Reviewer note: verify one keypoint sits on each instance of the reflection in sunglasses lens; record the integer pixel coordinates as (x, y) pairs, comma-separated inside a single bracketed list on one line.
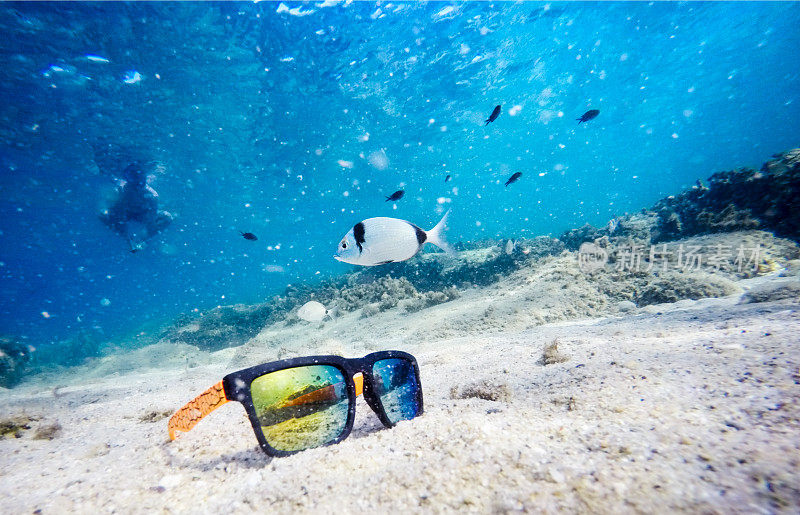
[(397, 388), (302, 407)]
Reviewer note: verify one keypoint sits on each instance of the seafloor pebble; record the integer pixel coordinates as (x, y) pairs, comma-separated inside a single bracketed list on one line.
[(626, 306)]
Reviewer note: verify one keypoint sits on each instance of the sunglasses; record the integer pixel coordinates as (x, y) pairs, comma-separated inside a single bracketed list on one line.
[(300, 403)]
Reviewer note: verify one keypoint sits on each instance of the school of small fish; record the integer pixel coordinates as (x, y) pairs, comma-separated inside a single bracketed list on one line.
[(381, 240)]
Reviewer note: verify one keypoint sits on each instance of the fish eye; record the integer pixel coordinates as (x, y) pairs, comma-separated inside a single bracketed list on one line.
[(344, 245)]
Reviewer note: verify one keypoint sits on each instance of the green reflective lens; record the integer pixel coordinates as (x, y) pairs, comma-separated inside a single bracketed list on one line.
[(302, 407), (397, 388)]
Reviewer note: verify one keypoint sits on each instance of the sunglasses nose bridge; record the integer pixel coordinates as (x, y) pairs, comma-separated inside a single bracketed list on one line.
[(357, 373)]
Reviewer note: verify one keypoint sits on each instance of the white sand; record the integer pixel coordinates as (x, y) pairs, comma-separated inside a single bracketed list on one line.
[(688, 406)]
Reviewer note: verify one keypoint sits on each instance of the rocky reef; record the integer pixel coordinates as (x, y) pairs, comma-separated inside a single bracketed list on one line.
[(736, 200), (431, 279), (650, 257), (223, 326), (740, 201), (14, 357)]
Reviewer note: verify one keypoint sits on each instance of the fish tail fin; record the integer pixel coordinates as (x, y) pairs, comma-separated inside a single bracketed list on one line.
[(436, 235)]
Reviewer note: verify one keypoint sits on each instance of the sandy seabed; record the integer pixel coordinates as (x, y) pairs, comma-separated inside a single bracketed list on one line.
[(688, 406)]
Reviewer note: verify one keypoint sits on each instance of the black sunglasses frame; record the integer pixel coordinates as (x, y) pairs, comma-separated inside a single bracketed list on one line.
[(237, 388)]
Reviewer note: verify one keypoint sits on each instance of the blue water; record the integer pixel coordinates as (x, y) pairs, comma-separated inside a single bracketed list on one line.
[(295, 125)]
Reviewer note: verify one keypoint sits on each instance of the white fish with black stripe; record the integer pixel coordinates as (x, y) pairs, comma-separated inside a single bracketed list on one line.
[(381, 240)]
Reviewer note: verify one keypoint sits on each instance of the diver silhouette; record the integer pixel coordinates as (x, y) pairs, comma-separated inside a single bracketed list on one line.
[(134, 213)]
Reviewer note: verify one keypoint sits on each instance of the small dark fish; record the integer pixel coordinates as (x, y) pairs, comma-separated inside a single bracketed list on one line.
[(513, 178), (493, 116), (135, 247), (447, 178), (249, 236), (397, 195), (588, 115)]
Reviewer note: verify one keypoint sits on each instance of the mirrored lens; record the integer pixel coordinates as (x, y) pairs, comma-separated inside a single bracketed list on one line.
[(301, 407), (397, 388)]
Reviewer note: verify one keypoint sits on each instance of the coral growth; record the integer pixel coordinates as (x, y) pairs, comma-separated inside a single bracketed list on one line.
[(541, 281), (474, 265), (15, 426), (230, 326), (14, 358), (735, 200), (221, 327), (675, 286), (414, 285), (551, 354), (771, 291)]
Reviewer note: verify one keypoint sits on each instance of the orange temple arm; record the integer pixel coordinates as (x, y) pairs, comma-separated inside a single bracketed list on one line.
[(188, 416)]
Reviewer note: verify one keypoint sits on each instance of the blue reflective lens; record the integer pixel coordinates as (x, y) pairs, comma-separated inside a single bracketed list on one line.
[(397, 388)]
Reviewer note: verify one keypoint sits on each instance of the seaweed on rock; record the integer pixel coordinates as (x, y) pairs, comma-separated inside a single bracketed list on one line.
[(221, 327), (474, 266), (414, 285), (551, 284), (675, 286), (736, 200), (14, 358)]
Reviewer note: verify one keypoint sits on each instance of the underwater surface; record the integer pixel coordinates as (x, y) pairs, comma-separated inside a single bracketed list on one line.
[(269, 129)]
